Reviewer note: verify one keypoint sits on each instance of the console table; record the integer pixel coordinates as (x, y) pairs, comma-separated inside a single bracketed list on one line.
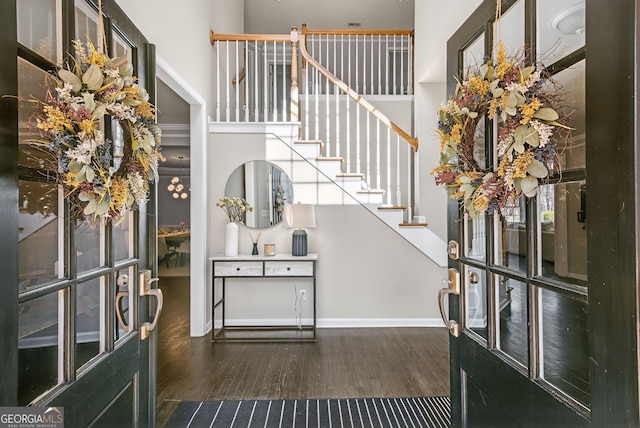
[(283, 266)]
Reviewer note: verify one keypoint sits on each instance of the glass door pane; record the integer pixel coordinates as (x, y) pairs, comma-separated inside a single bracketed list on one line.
[(560, 29), (39, 251), (513, 332), (39, 346), (89, 320), (475, 301), (39, 27), (511, 237), (565, 343), (509, 29)]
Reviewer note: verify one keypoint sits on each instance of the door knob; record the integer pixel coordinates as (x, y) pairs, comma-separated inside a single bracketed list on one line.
[(454, 288)]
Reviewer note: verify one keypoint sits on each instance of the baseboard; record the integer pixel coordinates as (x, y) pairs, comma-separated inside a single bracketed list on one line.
[(340, 322), (379, 322)]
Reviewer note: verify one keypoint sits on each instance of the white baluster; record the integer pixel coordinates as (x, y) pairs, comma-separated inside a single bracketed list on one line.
[(410, 65), (378, 164), (265, 84), (218, 95), (306, 99), (409, 180), (357, 62), (398, 188), (328, 91), (237, 85), (358, 142), (386, 72), (394, 65), (274, 101), (388, 192), (246, 81), (368, 144), (402, 64), (256, 74), (284, 82), (227, 84), (364, 64), (372, 67), (379, 65)]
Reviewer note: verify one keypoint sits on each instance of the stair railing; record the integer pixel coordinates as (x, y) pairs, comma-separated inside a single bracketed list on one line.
[(252, 77), (353, 129), (372, 62), (256, 80)]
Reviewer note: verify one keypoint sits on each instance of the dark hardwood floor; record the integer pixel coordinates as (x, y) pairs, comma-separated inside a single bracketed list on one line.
[(343, 363)]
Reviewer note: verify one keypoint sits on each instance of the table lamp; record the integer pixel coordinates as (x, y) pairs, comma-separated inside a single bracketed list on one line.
[(299, 216)]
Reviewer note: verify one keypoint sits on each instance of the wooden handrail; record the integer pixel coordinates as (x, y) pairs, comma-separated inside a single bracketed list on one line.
[(213, 37), (355, 96)]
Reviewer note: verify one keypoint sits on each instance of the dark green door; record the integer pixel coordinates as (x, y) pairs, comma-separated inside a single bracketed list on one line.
[(75, 320), (543, 329)]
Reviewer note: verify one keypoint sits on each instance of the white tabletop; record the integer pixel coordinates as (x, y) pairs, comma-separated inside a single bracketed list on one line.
[(261, 257)]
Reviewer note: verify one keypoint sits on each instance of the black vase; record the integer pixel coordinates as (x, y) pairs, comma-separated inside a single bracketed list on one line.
[(255, 249)]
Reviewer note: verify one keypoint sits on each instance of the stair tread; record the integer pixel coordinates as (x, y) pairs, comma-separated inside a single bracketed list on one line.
[(318, 142), (414, 224), (371, 191), (392, 207)]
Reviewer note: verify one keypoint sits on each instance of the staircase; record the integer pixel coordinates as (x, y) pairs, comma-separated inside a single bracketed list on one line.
[(357, 155)]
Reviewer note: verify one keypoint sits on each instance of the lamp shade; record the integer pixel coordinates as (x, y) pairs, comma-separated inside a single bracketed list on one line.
[(300, 216)]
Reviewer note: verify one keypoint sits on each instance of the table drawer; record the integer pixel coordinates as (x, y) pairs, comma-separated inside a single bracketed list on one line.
[(237, 269), (288, 268)]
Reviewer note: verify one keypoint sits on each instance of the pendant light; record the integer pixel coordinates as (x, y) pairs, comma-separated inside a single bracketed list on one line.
[(177, 186)]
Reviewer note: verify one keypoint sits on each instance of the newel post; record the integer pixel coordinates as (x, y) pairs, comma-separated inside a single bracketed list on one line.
[(295, 115)]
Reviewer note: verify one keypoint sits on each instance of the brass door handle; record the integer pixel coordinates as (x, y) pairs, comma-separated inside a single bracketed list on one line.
[(146, 290), (453, 288)]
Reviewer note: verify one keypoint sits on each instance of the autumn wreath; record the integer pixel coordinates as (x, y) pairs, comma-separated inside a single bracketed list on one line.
[(71, 125), (517, 96)]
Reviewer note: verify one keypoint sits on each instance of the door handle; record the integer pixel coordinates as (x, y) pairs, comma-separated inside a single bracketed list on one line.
[(453, 288), (146, 290)]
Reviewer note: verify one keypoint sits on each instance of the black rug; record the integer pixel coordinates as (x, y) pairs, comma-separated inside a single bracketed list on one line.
[(430, 412)]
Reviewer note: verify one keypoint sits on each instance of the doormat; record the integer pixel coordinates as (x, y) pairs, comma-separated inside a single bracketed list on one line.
[(428, 412)]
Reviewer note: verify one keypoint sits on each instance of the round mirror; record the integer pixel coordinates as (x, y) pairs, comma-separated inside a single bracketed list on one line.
[(266, 187)]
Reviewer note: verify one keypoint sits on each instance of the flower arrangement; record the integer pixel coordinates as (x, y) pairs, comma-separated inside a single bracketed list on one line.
[(513, 93), (235, 208), (89, 88)]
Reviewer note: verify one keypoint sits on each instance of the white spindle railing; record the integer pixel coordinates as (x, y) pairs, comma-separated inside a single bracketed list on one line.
[(382, 59)]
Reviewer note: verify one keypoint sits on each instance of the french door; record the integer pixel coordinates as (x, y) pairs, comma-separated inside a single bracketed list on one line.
[(77, 306), (543, 294)]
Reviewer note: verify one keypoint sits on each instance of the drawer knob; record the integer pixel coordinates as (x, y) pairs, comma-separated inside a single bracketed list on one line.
[(288, 268), (237, 268)]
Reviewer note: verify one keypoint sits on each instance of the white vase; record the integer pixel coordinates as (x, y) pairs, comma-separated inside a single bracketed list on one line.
[(231, 239)]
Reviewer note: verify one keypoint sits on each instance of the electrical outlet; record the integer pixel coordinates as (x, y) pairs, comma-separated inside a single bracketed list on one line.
[(303, 294)]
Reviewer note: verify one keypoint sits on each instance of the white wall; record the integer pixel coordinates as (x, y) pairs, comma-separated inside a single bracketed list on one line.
[(181, 36), (435, 24), (367, 274)]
